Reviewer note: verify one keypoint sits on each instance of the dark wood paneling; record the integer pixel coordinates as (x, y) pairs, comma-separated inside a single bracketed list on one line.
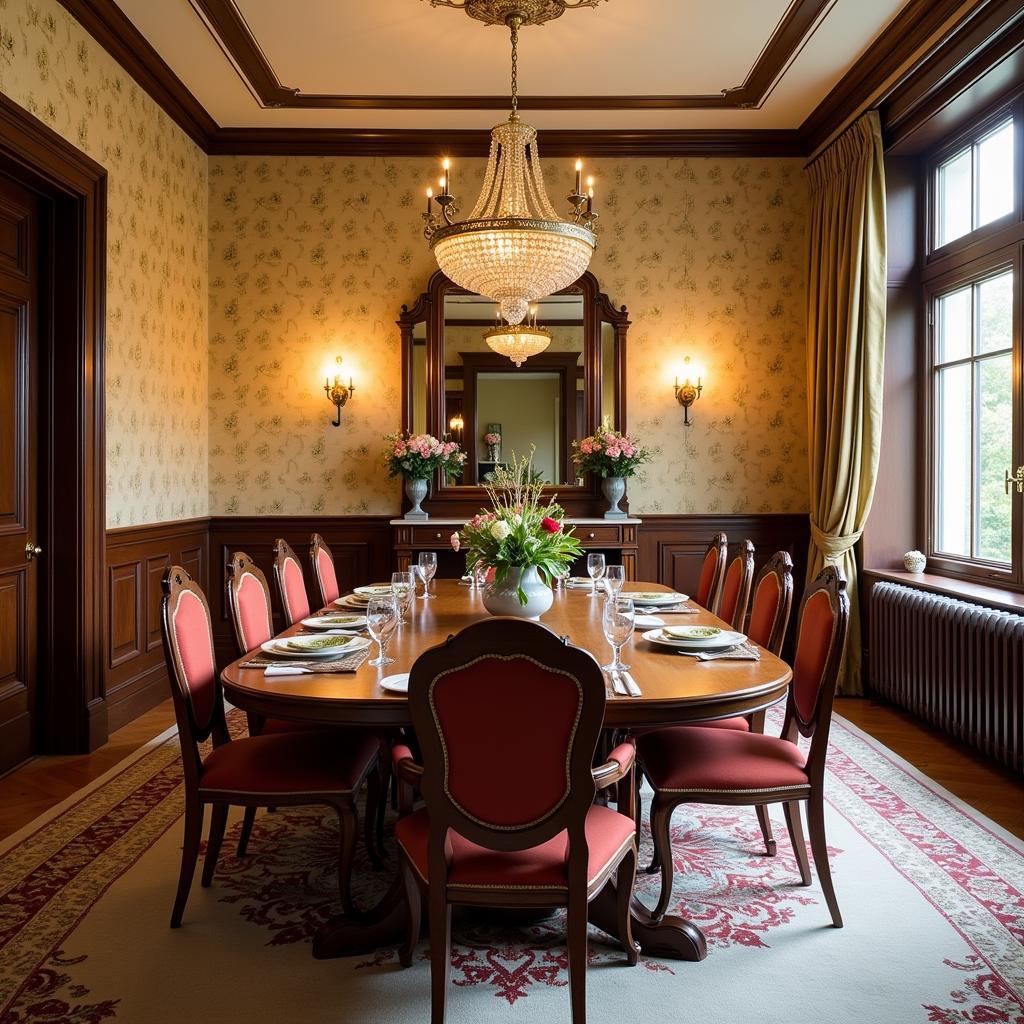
[(137, 556)]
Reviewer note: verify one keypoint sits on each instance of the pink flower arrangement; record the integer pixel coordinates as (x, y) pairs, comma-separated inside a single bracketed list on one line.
[(419, 456), (492, 438), (609, 453)]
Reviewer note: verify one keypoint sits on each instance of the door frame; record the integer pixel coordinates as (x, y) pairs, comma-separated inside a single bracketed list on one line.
[(71, 714)]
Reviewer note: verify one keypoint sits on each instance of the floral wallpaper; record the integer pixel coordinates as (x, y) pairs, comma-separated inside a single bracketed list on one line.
[(157, 291), (312, 257)]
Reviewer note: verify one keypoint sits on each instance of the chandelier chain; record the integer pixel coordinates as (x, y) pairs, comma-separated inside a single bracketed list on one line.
[(513, 24)]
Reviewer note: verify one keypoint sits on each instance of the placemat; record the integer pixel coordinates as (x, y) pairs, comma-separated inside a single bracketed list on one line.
[(347, 664)]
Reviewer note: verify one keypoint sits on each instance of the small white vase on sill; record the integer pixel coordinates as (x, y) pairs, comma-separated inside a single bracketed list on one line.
[(503, 598), (914, 561)]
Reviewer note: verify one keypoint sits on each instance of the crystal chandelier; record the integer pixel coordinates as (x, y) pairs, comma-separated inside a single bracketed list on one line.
[(513, 248), (519, 341)]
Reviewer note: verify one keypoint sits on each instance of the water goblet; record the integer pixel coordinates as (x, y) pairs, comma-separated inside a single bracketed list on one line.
[(381, 623), (595, 567), (617, 619), (614, 578), (427, 566), (403, 587)]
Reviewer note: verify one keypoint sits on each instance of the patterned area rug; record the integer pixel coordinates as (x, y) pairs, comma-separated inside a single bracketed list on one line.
[(932, 894)]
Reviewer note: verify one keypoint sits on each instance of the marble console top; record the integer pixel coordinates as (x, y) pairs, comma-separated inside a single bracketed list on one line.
[(569, 521)]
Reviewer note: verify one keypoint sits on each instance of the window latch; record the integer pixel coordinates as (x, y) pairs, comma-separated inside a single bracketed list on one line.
[(1016, 480)]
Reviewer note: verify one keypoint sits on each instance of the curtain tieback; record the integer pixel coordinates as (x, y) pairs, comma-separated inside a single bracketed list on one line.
[(833, 545)]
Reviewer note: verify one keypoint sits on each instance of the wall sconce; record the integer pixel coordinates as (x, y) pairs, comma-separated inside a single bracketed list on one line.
[(687, 393), (456, 424), (338, 393)]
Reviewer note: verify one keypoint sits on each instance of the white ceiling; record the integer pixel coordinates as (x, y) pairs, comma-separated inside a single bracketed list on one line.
[(406, 47)]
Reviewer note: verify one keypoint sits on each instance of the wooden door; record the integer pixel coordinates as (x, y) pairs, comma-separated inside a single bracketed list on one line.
[(19, 456)]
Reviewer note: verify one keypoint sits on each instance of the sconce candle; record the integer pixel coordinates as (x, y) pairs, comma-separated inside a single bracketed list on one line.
[(337, 392), (687, 393)]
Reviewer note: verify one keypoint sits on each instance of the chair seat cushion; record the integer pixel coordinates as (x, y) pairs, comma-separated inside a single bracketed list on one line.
[(290, 763), (693, 758), (608, 835), (737, 724)]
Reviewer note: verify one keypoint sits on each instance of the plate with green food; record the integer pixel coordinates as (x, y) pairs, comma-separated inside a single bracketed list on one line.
[(654, 598), (374, 590), (315, 646), (332, 621), (713, 638)]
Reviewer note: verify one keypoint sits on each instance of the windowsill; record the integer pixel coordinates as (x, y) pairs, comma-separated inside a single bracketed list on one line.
[(979, 593)]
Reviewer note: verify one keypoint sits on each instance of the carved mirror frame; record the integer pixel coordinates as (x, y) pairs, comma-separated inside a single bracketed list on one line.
[(456, 500)]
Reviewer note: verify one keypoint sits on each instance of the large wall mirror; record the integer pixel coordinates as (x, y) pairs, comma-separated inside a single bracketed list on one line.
[(454, 385)]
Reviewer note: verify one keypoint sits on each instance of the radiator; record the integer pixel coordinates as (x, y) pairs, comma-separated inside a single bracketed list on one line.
[(958, 666)]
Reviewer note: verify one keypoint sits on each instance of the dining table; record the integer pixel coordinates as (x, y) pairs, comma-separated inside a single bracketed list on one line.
[(676, 689)]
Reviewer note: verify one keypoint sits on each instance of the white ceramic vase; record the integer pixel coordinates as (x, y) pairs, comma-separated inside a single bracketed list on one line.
[(416, 491), (502, 598), (614, 489)]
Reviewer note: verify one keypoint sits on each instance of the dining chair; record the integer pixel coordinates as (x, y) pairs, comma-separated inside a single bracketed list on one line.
[(291, 584), (283, 769), (736, 584), (690, 764), (709, 586), (508, 740), (323, 570)]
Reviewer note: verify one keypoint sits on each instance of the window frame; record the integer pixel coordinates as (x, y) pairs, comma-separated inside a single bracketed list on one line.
[(973, 257)]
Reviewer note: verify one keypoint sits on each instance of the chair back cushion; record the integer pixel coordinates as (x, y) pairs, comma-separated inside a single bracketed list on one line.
[(731, 590), (253, 611), (296, 603), (764, 609), (813, 647), (328, 578), (507, 726), (192, 645), (708, 572)]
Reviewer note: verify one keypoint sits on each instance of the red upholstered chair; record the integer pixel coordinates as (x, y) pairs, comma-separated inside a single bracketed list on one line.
[(709, 587), (508, 741), (285, 769), (323, 570), (687, 764), (291, 584), (736, 586)]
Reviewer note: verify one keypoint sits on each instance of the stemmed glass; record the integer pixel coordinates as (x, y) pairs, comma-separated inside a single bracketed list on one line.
[(426, 566), (595, 567), (381, 623), (614, 578), (617, 619), (403, 587)]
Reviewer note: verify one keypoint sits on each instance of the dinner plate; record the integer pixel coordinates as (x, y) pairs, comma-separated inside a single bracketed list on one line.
[(277, 648), (727, 639), (374, 590), (345, 622), (352, 601), (694, 634), (398, 683), (654, 598), (647, 621)]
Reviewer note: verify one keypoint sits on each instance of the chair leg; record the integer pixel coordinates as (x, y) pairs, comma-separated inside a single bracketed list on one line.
[(374, 798), (661, 819), (246, 834), (766, 830), (414, 907), (816, 826), (189, 856), (348, 827), (625, 880), (577, 943), (218, 820), (796, 837), (388, 783), (440, 954)]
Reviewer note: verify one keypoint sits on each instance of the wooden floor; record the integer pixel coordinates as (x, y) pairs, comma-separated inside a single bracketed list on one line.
[(46, 781)]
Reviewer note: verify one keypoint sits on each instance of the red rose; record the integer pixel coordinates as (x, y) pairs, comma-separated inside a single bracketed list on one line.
[(551, 525)]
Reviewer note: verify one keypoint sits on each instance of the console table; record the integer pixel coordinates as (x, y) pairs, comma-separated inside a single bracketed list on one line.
[(616, 537)]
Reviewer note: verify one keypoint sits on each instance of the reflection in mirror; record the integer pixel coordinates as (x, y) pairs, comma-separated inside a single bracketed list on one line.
[(609, 413), (419, 378), (540, 403)]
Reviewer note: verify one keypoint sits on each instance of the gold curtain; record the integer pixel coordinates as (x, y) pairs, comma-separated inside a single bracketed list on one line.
[(845, 350)]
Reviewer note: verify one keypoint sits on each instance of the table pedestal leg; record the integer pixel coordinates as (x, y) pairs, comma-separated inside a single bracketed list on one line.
[(359, 934), (673, 938)]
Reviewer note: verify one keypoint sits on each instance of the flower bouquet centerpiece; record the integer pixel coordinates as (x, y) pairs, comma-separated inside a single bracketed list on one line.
[(521, 539), (417, 457), (613, 456), (493, 441)]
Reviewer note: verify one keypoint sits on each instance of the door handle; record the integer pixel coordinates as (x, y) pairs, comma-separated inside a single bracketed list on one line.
[(32, 550), (1016, 480)]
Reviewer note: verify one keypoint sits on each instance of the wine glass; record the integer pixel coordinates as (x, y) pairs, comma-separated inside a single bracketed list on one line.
[(427, 566), (595, 567), (614, 578), (381, 623), (617, 619), (403, 587)]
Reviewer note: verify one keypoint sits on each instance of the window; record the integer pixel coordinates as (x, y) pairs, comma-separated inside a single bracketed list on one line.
[(974, 395)]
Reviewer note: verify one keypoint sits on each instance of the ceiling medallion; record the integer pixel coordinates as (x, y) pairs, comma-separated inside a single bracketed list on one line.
[(530, 12), (520, 341), (513, 248)]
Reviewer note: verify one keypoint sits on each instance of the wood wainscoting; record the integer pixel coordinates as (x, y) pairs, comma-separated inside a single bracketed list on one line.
[(136, 678), (671, 550)]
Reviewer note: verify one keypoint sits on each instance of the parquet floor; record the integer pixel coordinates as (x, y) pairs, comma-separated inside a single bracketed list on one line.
[(45, 781)]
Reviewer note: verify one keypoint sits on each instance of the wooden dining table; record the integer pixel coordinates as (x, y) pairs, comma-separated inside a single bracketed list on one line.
[(676, 689)]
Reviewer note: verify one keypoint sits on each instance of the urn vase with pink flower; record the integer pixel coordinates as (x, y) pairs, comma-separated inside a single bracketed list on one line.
[(416, 457), (614, 457)]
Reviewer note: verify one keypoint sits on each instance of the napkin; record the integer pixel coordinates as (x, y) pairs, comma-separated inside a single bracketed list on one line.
[(648, 621)]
